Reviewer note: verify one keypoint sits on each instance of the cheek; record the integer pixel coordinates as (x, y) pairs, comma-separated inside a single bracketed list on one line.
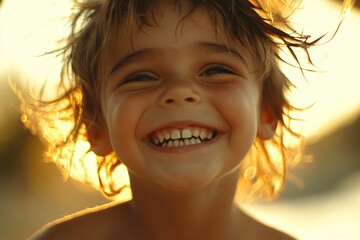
[(238, 104), (123, 114), (240, 110)]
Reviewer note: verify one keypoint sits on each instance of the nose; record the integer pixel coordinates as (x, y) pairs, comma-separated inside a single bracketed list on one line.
[(179, 93)]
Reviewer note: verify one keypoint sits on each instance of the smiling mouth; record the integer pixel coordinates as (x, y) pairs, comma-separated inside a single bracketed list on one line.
[(173, 137)]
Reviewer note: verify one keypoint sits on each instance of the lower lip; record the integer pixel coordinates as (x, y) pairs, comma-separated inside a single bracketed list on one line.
[(185, 148)]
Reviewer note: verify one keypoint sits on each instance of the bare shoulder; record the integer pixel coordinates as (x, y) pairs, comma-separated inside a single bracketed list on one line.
[(104, 222), (259, 230), (267, 232)]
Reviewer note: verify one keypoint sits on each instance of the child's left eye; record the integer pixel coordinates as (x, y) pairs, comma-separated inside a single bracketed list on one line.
[(140, 77), (214, 70)]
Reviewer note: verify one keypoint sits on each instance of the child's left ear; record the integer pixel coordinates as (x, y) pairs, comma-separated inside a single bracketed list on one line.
[(268, 123)]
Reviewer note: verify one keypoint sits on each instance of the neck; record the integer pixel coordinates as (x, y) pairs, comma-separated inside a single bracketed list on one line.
[(204, 213)]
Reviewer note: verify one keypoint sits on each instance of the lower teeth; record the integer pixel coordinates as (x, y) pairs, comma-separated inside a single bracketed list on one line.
[(180, 142)]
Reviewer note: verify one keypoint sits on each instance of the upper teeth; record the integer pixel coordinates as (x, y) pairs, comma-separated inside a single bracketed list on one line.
[(179, 137)]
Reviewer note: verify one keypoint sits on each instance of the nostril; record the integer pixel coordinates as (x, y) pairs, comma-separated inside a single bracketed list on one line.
[(190, 100), (179, 98), (169, 101)]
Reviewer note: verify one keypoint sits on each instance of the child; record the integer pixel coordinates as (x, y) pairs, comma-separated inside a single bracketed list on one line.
[(189, 96)]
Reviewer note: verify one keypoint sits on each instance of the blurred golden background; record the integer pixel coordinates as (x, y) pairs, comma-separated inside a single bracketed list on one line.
[(326, 207)]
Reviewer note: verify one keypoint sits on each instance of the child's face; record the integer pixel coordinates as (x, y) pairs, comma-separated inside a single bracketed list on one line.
[(173, 82)]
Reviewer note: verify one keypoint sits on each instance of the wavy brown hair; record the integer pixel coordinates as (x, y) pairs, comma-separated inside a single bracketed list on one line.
[(261, 26)]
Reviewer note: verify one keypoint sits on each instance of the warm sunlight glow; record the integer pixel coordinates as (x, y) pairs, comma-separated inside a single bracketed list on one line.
[(29, 29), (84, 169), (334, 89)]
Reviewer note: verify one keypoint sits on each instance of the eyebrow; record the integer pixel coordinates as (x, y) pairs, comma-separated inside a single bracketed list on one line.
[(216, 47), (129, 57), (221, 48)]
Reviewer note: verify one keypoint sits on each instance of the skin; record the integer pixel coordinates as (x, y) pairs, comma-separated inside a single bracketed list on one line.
[(174, 79)]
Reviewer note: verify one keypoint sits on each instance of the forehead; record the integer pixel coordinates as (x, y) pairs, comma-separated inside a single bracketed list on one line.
[(168, 24), (173, 28)]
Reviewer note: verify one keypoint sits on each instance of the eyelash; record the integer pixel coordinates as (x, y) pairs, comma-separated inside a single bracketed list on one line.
[(143, 76), (220, 70), (139, 77)]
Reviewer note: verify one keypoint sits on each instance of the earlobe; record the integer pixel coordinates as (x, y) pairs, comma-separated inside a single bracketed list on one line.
[(99, 139), (267, 125)]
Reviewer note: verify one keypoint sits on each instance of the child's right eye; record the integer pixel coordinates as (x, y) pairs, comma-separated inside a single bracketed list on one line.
[(139, 77)]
